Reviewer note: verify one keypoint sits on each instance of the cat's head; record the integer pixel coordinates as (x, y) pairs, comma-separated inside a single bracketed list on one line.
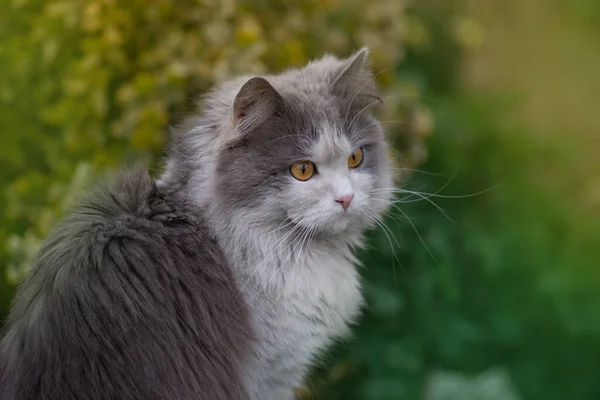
[(301, 148)]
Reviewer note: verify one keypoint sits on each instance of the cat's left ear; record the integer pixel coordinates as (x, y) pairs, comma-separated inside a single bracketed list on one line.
[(256, 101), (355, 82)]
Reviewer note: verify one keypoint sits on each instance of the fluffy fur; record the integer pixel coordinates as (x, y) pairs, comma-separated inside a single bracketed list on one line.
[(230, 277), (130, 298)]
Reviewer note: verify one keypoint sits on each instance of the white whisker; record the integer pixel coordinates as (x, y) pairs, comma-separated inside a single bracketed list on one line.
[(389, 236), (418, 234), (362, 87), (267, 258)]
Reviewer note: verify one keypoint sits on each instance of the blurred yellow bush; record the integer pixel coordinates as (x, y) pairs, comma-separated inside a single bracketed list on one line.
[(95, 83)]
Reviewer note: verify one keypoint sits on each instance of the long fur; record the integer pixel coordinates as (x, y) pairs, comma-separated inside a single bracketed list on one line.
[(129, 298)]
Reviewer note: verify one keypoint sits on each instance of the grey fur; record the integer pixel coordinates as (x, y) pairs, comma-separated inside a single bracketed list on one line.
[(230, 277), (130, 298)]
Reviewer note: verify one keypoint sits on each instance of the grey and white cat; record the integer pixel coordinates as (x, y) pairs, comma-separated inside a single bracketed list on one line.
[(226, 278)]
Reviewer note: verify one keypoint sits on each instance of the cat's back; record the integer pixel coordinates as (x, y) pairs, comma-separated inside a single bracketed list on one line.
[(129, 298)]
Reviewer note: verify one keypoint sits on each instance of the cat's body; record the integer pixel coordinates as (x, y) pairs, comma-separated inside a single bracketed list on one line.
[(109, 313), (276, 232)]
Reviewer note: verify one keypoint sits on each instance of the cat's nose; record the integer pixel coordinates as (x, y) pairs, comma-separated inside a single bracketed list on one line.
[(345, 200)]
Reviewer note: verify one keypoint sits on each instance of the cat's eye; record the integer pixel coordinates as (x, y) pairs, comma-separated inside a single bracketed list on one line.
[(356, 158), (303, 170)]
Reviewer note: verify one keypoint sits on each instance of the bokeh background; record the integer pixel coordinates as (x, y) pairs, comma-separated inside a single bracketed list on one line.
[(483, 285)]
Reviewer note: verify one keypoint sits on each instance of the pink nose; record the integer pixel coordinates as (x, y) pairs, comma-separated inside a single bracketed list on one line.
[(345, 200)]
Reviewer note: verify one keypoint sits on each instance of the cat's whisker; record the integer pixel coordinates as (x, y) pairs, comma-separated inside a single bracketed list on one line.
[(296, 137), (394, 191), (379, 223), (427, 199), (371, 80), (363, 86), (303, 232), (267, 258), (401, 190), (384, 226), (396, 217), (416, 170), (309, 243), (405, 216), (420, 196), (273, 248), (385, 229), (284, 238), (373, 103), (366, 128), (437, 194), (311, 232), (397, 224), (296, 263), (299, 245), (276, 243), (392, 148), (466, 195), (397, 190), (312, 229), (418, 234)]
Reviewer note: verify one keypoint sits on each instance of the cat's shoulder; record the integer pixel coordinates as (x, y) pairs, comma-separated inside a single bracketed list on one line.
[(128, 224), (130, 199)]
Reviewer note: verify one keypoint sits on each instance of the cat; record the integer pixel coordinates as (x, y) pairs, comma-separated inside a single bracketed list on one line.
[(228, 276)]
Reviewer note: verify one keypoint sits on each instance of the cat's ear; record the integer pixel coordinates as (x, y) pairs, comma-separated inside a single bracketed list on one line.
[(355, 82), (256, 101)]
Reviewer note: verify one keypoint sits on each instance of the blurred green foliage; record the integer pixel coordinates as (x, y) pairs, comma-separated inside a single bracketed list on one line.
[(587, 11), (500, 274), (86, 86), (513, 282)]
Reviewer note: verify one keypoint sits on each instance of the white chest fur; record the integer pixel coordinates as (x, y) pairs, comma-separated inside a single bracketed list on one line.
[(300, 309)]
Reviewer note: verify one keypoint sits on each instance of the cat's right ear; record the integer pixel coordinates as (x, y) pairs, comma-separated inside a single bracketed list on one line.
[(256, 101)]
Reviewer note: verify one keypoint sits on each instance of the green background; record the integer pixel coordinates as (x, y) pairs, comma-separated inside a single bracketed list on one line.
[(485, 287)]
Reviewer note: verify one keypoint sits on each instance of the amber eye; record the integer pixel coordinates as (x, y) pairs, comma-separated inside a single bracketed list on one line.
[(303, 170), (356, 158)]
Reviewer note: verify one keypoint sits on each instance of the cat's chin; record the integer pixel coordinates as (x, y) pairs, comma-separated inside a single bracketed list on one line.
[(351, 223), (344, 226), (337, 226)]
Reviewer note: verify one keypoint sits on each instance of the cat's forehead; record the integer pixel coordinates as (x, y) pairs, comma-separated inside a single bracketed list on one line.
[(330, 143), (317, 129), (320, 128), (311, 97)]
